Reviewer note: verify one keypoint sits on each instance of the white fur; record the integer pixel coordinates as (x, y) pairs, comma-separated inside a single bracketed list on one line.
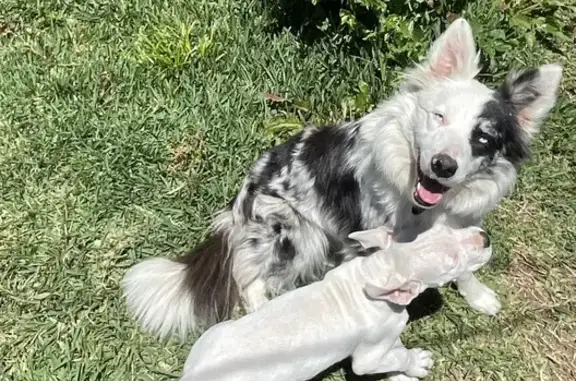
[(358, 310), (153, 290)]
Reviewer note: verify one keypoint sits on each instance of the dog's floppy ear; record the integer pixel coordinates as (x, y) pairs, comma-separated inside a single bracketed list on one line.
[(397, 290), (380, 237), (532, 93), (452, 55)]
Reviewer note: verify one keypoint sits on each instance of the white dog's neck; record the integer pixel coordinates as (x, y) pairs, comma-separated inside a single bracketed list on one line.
[(374, 267)]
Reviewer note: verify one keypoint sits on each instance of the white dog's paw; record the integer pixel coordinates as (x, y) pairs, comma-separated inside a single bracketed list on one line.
[(420, 363), (484, 300)]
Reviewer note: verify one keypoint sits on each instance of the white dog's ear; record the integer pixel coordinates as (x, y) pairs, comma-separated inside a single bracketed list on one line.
[(532, 93), (380, 237), (452, 55), (398, 291)]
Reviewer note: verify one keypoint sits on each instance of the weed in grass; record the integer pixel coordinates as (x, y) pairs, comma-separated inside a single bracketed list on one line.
[(175, 45)]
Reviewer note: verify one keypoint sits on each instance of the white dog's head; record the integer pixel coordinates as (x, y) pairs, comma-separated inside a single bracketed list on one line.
[(434, 258), (462, 127)]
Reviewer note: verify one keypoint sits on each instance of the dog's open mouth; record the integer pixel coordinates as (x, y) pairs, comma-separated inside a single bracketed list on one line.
[(428, 192)]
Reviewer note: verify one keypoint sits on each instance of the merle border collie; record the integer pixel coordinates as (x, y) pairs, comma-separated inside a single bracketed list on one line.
[(445, 149)]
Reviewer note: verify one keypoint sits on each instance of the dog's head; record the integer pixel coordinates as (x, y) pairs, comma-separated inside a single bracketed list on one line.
[(462, 127), (434, 258)]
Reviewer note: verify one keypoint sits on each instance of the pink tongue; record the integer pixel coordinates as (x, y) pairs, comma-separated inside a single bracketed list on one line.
[(428, 196)]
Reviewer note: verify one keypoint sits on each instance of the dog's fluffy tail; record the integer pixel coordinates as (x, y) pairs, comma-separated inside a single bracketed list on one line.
[(193, 292)]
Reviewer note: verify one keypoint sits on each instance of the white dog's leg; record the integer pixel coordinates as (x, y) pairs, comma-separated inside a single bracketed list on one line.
[(479, 297), (371, 360), (254, 295), (420, 365)]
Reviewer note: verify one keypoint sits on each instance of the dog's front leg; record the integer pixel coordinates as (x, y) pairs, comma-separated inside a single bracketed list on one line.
[(254, 295), (374, 359), (479, 297)]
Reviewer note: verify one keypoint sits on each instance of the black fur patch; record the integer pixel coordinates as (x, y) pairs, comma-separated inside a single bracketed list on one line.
[(324, 153), (505, 134), (488, 144), (285, 250), (277, 228), (278, 157), (416, 210), (519, 89), (209, 279), (502, 113), (248, 201)]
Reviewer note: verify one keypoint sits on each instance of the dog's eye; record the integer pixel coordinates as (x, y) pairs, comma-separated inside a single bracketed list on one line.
[(438, 117), (483, 139)]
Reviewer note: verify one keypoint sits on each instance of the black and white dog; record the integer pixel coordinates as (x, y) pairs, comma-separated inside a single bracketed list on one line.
[(444, 149)]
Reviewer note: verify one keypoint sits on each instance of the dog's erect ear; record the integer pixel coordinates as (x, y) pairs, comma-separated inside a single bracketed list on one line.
[(452, 55), (397, 290), (380, 237), (532, 93)]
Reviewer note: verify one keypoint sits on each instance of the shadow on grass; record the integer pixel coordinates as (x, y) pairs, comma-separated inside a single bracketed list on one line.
[(427, 303), (315, 22), (492, 330)]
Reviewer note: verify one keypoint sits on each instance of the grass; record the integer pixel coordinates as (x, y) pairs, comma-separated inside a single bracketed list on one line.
[(125, 124)]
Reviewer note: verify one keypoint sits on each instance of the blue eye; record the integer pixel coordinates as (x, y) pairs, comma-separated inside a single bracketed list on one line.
[(484, 138)]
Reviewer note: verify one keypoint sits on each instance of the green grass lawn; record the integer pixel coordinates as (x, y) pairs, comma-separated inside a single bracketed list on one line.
[(125, 124)]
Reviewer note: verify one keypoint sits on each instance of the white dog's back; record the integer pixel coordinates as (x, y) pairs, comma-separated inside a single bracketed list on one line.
[(306, 329)]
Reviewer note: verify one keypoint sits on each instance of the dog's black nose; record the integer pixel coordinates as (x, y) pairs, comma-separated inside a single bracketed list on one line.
[(444, 166), (485, 239)]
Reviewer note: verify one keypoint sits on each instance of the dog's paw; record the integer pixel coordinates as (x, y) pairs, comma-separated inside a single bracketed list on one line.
[(484, 300), (420, 363)]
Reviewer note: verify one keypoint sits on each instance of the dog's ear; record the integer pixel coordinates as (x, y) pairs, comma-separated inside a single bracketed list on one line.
[(380, 237), (532, 93), (397, 290), (452, 55)]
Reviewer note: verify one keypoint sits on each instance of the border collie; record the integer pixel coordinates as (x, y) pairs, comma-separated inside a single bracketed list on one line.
[(445, 149)]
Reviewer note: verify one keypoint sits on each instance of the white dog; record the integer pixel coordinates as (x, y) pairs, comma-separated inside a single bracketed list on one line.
[(358, 310)]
